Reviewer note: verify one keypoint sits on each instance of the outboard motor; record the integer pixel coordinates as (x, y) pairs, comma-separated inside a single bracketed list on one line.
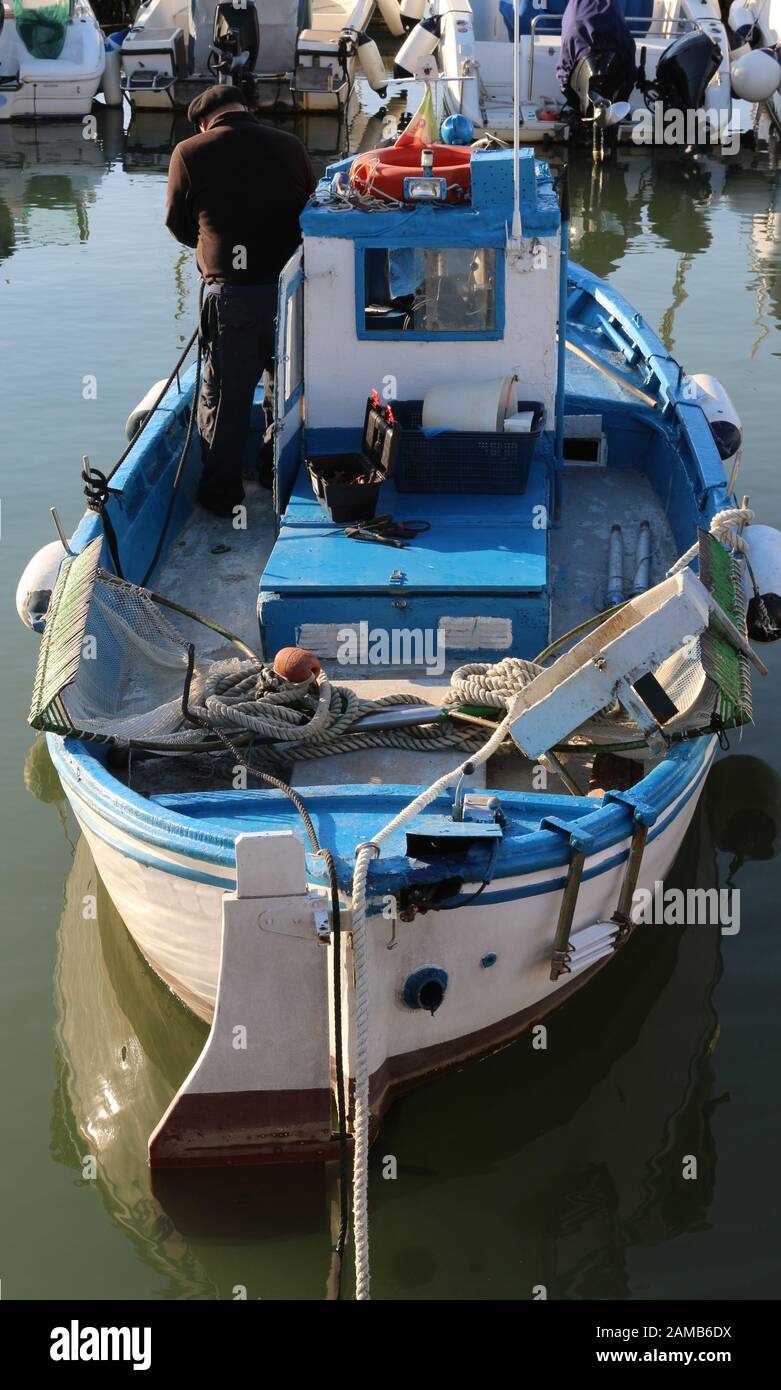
[(597, 64), (600, 82), (684, 71), (235, 45)]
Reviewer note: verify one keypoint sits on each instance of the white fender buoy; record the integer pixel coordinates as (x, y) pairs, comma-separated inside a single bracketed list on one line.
[(34, 590), (764, 556), (720, 413), (755, 76), (372, 64), (740, 21), (411, 11), (389, 10), (111, 85), (419, 43), (137, 416)]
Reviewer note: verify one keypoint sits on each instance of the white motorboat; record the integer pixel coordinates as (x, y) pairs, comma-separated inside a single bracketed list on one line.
[(51, 60), (278, 51), (694, 83)]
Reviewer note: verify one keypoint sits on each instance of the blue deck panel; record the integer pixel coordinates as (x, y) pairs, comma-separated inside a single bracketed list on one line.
[(484, 556)]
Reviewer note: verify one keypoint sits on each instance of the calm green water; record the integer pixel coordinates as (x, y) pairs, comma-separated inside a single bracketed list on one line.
[(561, 1168)]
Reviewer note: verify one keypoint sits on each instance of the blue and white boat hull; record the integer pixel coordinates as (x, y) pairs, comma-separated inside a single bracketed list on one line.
[(168, 878)]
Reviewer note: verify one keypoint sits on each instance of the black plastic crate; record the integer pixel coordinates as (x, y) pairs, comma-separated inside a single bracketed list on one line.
[(463, 461), (334, 476), (345, 499)]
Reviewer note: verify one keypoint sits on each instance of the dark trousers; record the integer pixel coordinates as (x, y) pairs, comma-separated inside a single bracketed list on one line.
[(237, 339)]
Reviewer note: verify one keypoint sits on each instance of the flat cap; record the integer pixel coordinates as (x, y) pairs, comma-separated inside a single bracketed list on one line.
[(208, 102)]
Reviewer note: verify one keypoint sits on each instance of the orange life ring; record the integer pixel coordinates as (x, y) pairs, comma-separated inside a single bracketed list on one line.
[(382, 172)]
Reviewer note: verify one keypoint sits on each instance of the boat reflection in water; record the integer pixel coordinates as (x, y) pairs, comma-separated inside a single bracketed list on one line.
[(123, 1045), (554, 1169), (49, 178)]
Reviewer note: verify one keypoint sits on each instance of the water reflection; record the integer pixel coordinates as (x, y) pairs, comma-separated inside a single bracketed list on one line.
[(617, 203), (532, 1168), (639, 200), (744, 808), (551, 1168), (49, 179), (123, 1044)]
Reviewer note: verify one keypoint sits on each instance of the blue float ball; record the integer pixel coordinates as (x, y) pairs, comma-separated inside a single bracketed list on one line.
[(457, 130)]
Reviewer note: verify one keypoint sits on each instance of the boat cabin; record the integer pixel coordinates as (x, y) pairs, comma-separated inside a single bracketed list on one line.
[(405, 302)]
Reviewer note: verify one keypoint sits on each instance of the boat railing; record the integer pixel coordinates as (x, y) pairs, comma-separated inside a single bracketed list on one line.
[(663, 23), (602, 310)]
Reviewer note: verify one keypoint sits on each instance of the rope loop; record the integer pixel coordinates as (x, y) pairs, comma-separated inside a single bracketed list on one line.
[(725, 527), (96, 488)]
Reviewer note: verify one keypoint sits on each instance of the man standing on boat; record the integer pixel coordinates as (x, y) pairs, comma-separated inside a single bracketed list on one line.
[(235, 192)]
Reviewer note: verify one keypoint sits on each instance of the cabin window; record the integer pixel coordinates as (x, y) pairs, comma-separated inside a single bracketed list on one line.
[(429, 292), (293, 363)]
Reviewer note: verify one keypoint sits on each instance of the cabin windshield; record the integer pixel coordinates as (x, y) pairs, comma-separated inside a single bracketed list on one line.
[(430, 290)]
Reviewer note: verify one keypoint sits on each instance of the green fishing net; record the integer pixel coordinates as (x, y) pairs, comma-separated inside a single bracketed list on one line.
[(42, 28)]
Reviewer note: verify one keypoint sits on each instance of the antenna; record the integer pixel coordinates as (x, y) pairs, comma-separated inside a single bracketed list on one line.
[(558, 445), (516, 231)]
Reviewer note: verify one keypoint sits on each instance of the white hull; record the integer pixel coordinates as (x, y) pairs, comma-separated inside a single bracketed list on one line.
[(292, 60), (174, 914)]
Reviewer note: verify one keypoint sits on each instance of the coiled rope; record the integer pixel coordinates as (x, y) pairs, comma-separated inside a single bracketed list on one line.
[(481, 684), (312, 720), (728, 527)]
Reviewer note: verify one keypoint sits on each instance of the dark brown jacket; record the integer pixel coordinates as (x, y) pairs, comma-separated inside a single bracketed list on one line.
[(239, 187)]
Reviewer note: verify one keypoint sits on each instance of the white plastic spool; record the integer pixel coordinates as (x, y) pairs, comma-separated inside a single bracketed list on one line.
[(412, 10), (470, 405), (719, 411), (764, 553)]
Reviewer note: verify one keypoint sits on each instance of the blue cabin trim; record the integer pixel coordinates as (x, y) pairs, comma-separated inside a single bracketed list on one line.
[(283, 299), (483, 221)]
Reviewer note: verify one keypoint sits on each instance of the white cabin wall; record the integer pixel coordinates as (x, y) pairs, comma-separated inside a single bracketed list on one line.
[(340, 370)]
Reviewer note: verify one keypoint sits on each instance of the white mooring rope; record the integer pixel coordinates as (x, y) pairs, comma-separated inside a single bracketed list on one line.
[(725, 526), (363, 857)]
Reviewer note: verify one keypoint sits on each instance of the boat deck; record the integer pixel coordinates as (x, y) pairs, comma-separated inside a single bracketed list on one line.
[(213, 568), (478, 575)]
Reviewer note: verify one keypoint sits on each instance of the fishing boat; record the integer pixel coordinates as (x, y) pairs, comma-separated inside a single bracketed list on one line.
[(374, 770), (51, 60), (697, 81), (280, 52)]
